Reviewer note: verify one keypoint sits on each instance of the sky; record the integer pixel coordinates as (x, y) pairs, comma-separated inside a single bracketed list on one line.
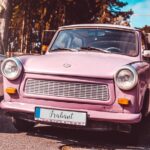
[(141, 9)]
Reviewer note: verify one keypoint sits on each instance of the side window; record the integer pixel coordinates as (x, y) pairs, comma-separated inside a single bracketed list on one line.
[(148, 40), (144, 46)]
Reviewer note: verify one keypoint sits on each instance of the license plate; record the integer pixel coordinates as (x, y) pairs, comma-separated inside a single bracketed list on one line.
[(61, 116)]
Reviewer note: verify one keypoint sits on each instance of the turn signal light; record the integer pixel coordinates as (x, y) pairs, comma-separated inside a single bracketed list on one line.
[(123, 101), (44, 48), (11, 90)]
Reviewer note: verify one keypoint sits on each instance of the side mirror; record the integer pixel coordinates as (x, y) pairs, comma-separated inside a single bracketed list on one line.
[(146, 53)]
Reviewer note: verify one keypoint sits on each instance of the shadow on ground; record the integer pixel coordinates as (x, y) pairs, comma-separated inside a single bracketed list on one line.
[(94, 140), (91, 140), (6, 125)]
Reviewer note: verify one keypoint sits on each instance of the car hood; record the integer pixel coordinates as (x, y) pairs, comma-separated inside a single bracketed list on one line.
[(87, 64)]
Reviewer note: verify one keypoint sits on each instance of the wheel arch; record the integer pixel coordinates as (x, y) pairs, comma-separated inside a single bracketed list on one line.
[(145, 110)]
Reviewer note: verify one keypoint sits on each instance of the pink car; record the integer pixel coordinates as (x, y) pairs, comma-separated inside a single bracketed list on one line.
[(92, 76)]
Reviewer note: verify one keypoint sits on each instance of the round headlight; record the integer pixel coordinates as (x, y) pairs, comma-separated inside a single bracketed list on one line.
[(11, 68), (126, 78)]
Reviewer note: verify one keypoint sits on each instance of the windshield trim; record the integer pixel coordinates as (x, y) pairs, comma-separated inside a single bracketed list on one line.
[(102, 27)]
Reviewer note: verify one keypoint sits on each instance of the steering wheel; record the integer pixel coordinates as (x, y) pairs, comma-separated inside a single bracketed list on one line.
[(115, 49)]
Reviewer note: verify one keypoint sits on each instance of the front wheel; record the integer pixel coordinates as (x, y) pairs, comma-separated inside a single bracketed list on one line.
[(22, 125), (136, 133)]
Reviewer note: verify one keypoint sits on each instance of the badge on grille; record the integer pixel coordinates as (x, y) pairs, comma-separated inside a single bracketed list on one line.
[(67, 65)]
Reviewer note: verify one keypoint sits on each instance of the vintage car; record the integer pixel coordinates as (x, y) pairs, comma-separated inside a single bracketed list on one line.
[(92, 76)]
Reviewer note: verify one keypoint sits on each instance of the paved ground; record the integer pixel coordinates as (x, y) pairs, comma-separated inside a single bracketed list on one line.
[(48, 138)]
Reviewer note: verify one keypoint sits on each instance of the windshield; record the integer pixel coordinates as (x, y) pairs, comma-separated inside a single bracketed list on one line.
[(102, 40)]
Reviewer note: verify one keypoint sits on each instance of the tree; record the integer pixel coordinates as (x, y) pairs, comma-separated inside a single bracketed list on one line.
[(30, 17), (146, 29), (98, 11), (110, 11), (4, 21)]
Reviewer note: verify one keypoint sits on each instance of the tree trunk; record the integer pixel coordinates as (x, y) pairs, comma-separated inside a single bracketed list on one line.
[(4, 23)]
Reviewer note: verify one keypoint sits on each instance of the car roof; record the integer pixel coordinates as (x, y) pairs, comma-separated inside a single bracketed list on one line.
[(97, 26)]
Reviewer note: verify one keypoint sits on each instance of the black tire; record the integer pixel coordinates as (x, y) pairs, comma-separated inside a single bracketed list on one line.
[(133, 136), (146, 102), (22, 125), (137, 129)]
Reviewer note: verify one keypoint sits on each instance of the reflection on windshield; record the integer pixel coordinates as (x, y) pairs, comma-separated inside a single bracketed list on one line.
[(104, 40)]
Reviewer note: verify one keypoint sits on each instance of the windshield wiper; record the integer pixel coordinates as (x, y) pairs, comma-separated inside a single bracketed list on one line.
[(94, 49), (64, 49)]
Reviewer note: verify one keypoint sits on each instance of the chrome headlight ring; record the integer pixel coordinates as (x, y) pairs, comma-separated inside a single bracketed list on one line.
[(11, 68), (126, 78)]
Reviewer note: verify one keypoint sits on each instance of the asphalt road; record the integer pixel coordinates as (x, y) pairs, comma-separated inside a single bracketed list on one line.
[(44, 137)]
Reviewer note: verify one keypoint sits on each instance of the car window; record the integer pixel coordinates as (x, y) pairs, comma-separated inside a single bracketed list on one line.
[(112, 40)]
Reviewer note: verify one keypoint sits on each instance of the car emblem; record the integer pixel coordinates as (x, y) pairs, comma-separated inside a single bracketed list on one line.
[(67, 65)]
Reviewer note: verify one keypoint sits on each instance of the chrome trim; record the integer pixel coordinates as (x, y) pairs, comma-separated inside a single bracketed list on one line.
[(97, 26), (146, 53), (67, 89)]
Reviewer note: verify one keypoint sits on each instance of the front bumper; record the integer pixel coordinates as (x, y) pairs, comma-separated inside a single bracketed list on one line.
[(92, 115)]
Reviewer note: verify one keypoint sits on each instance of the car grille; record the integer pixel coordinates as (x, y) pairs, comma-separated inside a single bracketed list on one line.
[(67, 89)]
